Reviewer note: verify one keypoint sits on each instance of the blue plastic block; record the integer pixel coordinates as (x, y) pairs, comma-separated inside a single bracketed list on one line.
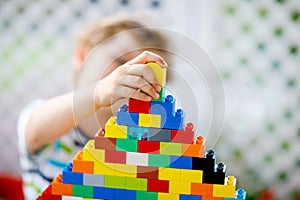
[(173, 122), (138, 133), (124, 194), (164, 108), (70, 177), (240, 194), (189, 197), (104, 193), (126, 118), (162, 135), (181, 162)]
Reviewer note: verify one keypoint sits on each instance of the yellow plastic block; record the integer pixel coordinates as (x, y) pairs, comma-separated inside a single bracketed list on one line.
[(104, 168), (149, 120), (167, 196), (177, 187), (171, 174), (227, 190), (194, 176), (92, 154), (170, 148), (113, 130), (159, 73), (125, 170), (89, 199)]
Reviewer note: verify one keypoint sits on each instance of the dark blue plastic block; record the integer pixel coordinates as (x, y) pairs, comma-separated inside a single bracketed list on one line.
[(181, 162), (104, 193), (70, 177)]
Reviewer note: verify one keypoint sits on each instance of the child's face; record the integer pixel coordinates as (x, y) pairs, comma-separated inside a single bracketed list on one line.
[(123, 45)]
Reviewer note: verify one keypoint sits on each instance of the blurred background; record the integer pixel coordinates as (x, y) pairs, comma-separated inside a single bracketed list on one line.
[(255, 45)]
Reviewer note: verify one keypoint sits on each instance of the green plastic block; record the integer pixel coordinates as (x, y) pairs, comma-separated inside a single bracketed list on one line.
[(161, 95), (83, 191), (136, 183), (158, 160), (114, 182), (126, 145), (174, 149), (141, 195)]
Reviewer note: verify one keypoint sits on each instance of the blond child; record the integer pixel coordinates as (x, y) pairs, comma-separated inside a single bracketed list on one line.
[(47, 130)]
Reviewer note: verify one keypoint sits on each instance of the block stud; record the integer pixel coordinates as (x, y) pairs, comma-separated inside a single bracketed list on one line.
[(124, 108), (220, 167), (179, 113), (189, 126), (210, 154), (199, 140), (169, 98), (230, 180), (240, 194)]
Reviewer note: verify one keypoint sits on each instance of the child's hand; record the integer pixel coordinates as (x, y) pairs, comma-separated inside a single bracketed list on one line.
[(128, 80)]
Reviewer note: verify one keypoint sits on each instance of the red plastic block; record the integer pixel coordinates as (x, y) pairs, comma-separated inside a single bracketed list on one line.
[(158, 185), (145, 146), (47, 191), (102, 142), (138, 106), (202, 189), (112, 156), (184, 136), (47, 195), (147, 172)]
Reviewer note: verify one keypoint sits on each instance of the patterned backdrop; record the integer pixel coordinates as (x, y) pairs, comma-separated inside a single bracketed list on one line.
[(255, 45)]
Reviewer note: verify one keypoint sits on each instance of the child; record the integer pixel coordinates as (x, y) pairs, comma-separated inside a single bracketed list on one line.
[(47, 129)]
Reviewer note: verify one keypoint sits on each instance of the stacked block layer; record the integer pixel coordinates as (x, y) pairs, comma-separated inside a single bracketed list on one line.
[(145, 152)]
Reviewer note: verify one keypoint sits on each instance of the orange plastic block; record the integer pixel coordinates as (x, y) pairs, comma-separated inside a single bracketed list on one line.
[(59, 188), (82, 166), (202, 189), (193, 150)]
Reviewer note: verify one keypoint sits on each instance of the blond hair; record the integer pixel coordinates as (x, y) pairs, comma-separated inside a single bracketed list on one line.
[(101, 30)]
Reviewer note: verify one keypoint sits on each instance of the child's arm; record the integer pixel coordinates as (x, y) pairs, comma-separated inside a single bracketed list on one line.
[(54, 118)]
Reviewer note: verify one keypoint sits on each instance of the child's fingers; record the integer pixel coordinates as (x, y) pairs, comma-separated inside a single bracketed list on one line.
[(128, 92), (139, 83), (145, 72), (146, 57)]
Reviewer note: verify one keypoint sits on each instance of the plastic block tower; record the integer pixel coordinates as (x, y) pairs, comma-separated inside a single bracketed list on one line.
[(145, 153)]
